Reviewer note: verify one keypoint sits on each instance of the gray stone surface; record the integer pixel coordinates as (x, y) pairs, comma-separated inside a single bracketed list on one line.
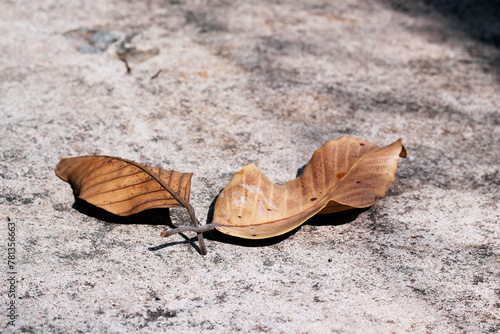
[(268, 83)]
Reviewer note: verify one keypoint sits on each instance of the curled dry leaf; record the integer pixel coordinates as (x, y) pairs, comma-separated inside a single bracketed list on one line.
[(124, 187), (344, 174), (120, 187)]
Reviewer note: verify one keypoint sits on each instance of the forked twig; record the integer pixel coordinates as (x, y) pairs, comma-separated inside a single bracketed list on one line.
[(197, 229)]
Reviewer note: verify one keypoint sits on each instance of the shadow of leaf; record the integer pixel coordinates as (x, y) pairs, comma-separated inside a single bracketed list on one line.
[(150, 217), (147, 217), (162, 217)]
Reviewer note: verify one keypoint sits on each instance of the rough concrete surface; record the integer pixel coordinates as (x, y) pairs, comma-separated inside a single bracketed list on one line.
[(213, 86)]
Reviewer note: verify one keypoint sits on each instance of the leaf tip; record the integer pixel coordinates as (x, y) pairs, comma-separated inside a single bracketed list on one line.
[(403, 153), (60, 169)]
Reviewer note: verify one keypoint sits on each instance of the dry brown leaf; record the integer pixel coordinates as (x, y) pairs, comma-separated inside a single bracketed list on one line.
[(344, 174), (120, 187), (125, 187)]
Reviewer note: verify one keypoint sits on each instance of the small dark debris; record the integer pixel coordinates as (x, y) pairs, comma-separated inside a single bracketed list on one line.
[(156, 75), (27, 329), (477, 279), (222, 298), (160, 312), (417, 290), (484, 251), (86, 283), (268, 263)]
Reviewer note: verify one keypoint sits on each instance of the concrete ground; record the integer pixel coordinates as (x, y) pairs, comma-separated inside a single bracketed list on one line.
[(213, 86)]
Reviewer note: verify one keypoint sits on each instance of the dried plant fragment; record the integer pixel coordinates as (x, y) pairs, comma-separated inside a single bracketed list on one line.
[(344, 174), (124, 187), (119, 187)]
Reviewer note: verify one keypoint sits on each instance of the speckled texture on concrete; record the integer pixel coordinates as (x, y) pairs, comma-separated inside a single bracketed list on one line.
[(268, 83)]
